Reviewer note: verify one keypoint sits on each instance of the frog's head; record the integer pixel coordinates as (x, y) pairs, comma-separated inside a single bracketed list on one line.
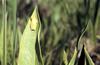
[(34, 20)]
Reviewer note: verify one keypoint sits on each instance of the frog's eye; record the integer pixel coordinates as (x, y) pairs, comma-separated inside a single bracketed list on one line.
[(33, 24)]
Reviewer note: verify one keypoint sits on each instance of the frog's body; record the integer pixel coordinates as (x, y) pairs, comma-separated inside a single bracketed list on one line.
[(27, 52)]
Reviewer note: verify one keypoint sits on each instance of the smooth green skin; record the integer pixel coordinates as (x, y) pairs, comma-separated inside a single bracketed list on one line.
[(27, 51)]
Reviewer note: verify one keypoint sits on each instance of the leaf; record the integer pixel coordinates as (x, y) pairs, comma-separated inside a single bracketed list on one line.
[(27, 52), (65, 54), (72, 61), (88, 57), (1, 44)]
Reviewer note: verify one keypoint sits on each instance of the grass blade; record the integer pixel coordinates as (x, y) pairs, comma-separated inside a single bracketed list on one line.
[(72, 61), (1, 45), (88, 57), (4, 32)]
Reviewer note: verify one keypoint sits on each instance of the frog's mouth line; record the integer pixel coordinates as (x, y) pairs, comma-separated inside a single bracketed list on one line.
[(33, 25)]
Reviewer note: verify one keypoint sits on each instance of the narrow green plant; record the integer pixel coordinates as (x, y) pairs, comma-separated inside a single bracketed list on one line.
[(4, 20), (1, 45), (12, 8), (73, 59), (88, 57), (79, 56)]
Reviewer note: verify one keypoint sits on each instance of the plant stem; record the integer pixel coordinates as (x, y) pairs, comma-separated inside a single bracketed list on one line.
[(4, 32), (14, 29), (93, 35)]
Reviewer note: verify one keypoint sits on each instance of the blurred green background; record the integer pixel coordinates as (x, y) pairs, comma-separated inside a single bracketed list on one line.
[(62, 22)]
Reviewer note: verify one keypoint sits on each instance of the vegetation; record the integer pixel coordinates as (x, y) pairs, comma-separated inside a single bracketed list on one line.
[(49, 32)]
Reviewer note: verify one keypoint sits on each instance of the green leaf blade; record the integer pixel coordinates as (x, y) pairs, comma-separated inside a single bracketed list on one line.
[(72, 61), (88, 57)]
